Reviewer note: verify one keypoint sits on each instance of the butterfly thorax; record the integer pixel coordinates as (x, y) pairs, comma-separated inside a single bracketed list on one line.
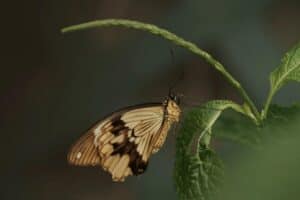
[(172, 111)]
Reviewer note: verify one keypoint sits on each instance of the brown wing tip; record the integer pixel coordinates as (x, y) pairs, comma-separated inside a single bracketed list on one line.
[(84, 152), (72, 158)]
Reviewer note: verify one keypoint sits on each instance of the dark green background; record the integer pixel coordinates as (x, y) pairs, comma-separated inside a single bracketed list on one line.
[(53, 87)]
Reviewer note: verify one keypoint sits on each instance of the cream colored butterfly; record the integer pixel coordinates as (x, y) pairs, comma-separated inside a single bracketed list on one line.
[(123, 142)]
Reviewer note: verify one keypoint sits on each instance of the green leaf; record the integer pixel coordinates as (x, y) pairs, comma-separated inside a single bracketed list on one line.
[(237, 128), (186, 176), (197, 169), (198, 176), (289, 70), (211, 173)]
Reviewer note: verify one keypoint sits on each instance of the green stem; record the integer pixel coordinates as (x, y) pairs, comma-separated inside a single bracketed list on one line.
[(176, 40), (267, 105)]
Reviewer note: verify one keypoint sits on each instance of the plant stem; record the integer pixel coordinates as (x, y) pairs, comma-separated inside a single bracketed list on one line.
[(267, 105), (176, 40)]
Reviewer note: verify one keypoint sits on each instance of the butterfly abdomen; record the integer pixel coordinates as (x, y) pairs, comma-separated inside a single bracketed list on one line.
[(162, 136)]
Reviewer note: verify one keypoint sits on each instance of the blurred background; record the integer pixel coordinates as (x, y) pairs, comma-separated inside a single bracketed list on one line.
[(53, 86)]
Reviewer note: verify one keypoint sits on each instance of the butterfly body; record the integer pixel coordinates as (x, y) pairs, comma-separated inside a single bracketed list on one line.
[(123, 142)]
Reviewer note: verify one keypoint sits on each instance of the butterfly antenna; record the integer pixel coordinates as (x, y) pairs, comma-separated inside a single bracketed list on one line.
[(180, 77)]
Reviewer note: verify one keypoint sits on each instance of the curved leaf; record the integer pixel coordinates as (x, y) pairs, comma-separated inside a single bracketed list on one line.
[(198, 175), (198, 170)]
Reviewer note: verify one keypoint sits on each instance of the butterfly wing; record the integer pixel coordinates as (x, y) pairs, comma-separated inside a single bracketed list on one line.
[(123, 142), (84, 152)]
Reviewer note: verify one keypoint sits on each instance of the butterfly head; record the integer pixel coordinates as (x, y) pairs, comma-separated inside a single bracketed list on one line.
[(174, 97), (172, 107)]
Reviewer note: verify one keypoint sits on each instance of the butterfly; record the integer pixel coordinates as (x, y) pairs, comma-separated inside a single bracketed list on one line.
[(123, 142)]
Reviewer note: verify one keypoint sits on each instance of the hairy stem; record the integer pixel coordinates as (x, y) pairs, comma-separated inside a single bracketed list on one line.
[(176, 40)]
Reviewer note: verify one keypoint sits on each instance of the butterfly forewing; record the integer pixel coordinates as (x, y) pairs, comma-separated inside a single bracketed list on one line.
[(84, 152)]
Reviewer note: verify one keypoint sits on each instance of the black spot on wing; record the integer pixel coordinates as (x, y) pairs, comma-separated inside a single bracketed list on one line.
[(118, 126), (136, 164), (123, 148)]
